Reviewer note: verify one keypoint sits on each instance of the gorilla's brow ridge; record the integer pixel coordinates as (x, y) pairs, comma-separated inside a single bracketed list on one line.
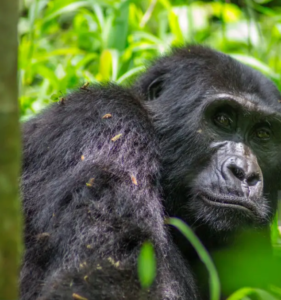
[(247, 103)]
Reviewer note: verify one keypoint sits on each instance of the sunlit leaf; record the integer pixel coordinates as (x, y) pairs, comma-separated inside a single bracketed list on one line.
[(105, 65), (230, 12), (146, 265), (175, 28)]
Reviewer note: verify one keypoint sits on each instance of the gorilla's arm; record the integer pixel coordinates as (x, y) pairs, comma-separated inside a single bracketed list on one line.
[(91, 198)]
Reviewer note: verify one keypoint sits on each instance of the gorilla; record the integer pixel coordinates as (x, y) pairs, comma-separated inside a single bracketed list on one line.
[(196, 137)]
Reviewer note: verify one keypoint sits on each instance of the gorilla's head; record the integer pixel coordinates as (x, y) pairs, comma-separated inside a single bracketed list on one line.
[(219, 123)]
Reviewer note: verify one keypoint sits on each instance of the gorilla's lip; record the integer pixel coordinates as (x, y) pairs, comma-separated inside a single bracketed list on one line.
[(227, 201)]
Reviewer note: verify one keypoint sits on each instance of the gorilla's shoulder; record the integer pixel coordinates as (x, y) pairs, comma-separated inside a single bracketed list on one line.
[(98, 122), (86, 107)]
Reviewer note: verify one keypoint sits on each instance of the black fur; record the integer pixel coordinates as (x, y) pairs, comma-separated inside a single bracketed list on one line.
[(90, 202), (82, 204)]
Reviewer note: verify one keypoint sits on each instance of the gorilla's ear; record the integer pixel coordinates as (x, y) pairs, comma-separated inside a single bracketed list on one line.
[(155, 88)]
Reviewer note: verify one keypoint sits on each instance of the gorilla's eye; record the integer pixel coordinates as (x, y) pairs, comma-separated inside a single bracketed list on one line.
[(223, 120), (263, 133)]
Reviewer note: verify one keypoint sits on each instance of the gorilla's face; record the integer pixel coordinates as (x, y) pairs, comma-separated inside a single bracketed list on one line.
[(219, 123), (237, 185)]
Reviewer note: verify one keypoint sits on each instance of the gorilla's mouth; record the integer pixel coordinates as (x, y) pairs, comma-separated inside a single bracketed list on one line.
[(229, 201)]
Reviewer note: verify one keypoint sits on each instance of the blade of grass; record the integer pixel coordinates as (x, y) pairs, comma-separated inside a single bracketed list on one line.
[(130, 73), (203, 255), (244, 292)]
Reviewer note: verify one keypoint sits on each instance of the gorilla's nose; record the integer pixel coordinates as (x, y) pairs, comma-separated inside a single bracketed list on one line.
[(245, 169)]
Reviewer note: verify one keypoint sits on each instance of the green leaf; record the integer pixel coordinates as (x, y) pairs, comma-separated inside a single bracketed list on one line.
[(146, 265), (203, 255), (119, 31), (62, 7), (130, 73), (105, 66), (264, 295), (244, 292)]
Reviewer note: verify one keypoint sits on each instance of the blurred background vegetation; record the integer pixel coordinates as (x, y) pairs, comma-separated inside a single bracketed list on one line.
[(66, 43)]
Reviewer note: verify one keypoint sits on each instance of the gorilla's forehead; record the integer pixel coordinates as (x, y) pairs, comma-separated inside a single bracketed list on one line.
[(212, 70)]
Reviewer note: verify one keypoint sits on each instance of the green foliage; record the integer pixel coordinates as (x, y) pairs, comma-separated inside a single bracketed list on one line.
[(246, 293), (146, 265), (203, 255), (65, 43)]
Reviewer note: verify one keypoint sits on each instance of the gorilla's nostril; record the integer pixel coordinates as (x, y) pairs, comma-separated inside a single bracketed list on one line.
[(237, 172), (253, 179)]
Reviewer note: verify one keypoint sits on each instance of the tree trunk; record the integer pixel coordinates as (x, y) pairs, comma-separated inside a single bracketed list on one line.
[(10, 209)]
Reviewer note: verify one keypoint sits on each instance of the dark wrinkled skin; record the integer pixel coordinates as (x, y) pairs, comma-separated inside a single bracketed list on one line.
[(200, 135)]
